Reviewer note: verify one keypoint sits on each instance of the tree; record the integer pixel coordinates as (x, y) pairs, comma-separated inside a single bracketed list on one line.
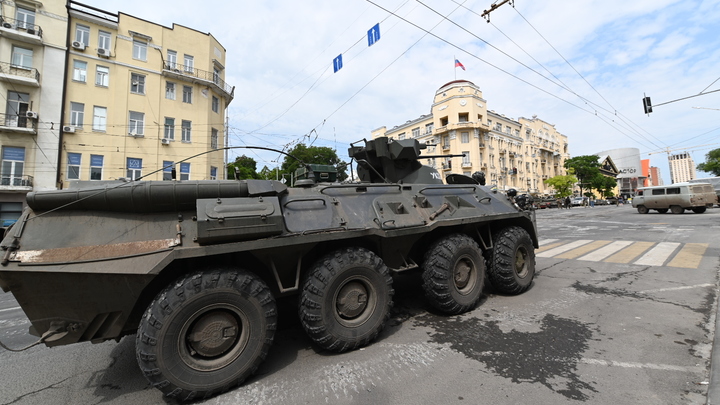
[(562, 184), (314, 155), (712, 163), (585, 168), (605, 185), (246, 168)]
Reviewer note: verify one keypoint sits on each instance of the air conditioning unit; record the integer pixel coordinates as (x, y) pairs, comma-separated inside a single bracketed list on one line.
[(165, 141), (31, 31), (31, 114), (104, 52), (78, 45), (68, 129)]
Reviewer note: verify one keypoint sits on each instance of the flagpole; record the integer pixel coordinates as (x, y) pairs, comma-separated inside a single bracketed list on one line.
[(455, 67)]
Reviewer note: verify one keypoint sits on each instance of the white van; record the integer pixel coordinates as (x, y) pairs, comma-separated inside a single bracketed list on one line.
[(676, 197)]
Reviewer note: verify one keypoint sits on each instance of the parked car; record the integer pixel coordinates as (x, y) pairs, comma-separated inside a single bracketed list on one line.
[(601, 202), (577, 201)]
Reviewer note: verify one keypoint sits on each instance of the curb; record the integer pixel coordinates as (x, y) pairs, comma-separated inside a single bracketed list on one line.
[(713, 394)]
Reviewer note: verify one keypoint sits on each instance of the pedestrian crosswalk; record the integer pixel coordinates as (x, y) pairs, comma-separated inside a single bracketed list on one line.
[(671, 254)]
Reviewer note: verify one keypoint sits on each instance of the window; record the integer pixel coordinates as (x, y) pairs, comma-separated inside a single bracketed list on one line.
[(429, 128), (169, 128), (214, 139), (189, 63), (137, 123), (443, 121), (77, 114), (99, 118), (10, 212), (658, 191), (187, 94), (25, 18), (415, 132), (216, 75), (13, 161), (137, 83), (465, 137), (17, 105), (104, 40), (82, 34), (213, 173), (466, 158), (498, 127), (171, 59), (167, 169), (170, 90), (22, 57), (102, 76), (73, 167), (134, 168), (184, 171), (96, 167), (446, 142), (215, 104), (139, 50), (79, 71), (463, 117), (507, 129), (401, 136), (186, 130), (674, 190)]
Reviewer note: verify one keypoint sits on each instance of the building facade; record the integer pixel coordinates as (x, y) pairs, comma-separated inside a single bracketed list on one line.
[(512, 153), (32, 54), (682, 167), (655, 176), (630, 172), (140, 98)]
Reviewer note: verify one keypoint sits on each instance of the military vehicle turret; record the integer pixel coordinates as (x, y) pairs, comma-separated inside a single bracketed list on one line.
[(193, 268)]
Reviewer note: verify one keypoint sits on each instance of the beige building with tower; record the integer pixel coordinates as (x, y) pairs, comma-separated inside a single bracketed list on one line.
[(141, 97), (513, 153), (682, 167), (32, 55)]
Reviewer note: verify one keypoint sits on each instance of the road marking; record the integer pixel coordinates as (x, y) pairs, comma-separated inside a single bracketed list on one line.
[(629, 253), (563, 248), (658, 254), (689, 256), (577, 252), (606, 251), (548, 247), (624, 364), (544, 242), (685, 287), (9, 309)]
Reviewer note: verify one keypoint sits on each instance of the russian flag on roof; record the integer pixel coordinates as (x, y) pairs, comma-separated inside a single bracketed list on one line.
[(458, 64)]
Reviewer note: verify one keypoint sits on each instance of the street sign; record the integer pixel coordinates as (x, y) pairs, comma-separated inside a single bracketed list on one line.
[(374, 34), (337, 63)]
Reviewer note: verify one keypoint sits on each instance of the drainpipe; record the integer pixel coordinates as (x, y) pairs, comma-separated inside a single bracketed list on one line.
[(58, 179)]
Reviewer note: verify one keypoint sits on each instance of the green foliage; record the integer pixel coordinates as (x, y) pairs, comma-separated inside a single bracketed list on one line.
[(585, 168), (605, 185), (314, 154), (562, 184), (246, 168), (712, 163)]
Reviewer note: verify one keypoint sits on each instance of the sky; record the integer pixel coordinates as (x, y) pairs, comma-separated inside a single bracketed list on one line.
[(582, 65)]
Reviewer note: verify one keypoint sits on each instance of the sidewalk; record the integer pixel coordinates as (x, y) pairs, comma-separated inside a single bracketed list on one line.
[(713, 394)]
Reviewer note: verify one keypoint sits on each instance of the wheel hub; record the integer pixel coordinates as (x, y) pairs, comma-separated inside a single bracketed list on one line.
[(213, 334), (352, 300), (462, 274), (520, 262)]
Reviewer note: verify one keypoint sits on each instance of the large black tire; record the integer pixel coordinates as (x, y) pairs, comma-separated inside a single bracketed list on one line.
[(642, 209), (453, 274), (676, 209), (346, 299), (511, 264), (206, 333), (699, 210)]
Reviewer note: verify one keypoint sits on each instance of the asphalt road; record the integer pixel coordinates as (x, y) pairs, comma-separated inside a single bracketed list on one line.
[(622, 311)]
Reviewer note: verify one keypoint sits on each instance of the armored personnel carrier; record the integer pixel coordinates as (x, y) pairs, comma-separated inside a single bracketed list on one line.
[(193, 268)]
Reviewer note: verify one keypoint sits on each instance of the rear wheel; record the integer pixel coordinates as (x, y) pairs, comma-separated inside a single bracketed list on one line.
[(206, 333), (346, 299), (676, 209), (642, 209), (699, 210), (511, 264), (662, 210), (453, 274)]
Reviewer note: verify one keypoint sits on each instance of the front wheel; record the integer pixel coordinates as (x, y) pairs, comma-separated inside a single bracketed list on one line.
[(511, 263), (346, 299), (206, 333), (642, 209), (453, 274), (699, 210)]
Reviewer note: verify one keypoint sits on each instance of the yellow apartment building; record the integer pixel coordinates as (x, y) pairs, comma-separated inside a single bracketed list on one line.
[(140, 98), (517, 154), (32, 56)]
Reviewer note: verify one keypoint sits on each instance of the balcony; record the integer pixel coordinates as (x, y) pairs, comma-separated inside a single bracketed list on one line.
[(20, 30), (16, 123), (466, 165), (192, 75), (447, 166), (19, 74), (18, 184)]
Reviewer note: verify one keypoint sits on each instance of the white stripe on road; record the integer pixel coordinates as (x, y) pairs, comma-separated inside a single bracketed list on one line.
[(606, 251), (686, 287), (658, 255), (9, 309), (665, 367), (544, 242), (563, 248)]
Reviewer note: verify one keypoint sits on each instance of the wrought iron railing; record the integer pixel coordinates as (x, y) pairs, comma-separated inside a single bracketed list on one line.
[(17, 120), (18, 181), (200, 74), (19, 25), (15, 70)]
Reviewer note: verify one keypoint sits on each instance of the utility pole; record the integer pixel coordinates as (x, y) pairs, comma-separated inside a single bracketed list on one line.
[(493, 7)]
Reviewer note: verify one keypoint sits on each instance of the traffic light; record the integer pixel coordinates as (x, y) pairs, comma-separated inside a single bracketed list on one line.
[(647, 105)]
